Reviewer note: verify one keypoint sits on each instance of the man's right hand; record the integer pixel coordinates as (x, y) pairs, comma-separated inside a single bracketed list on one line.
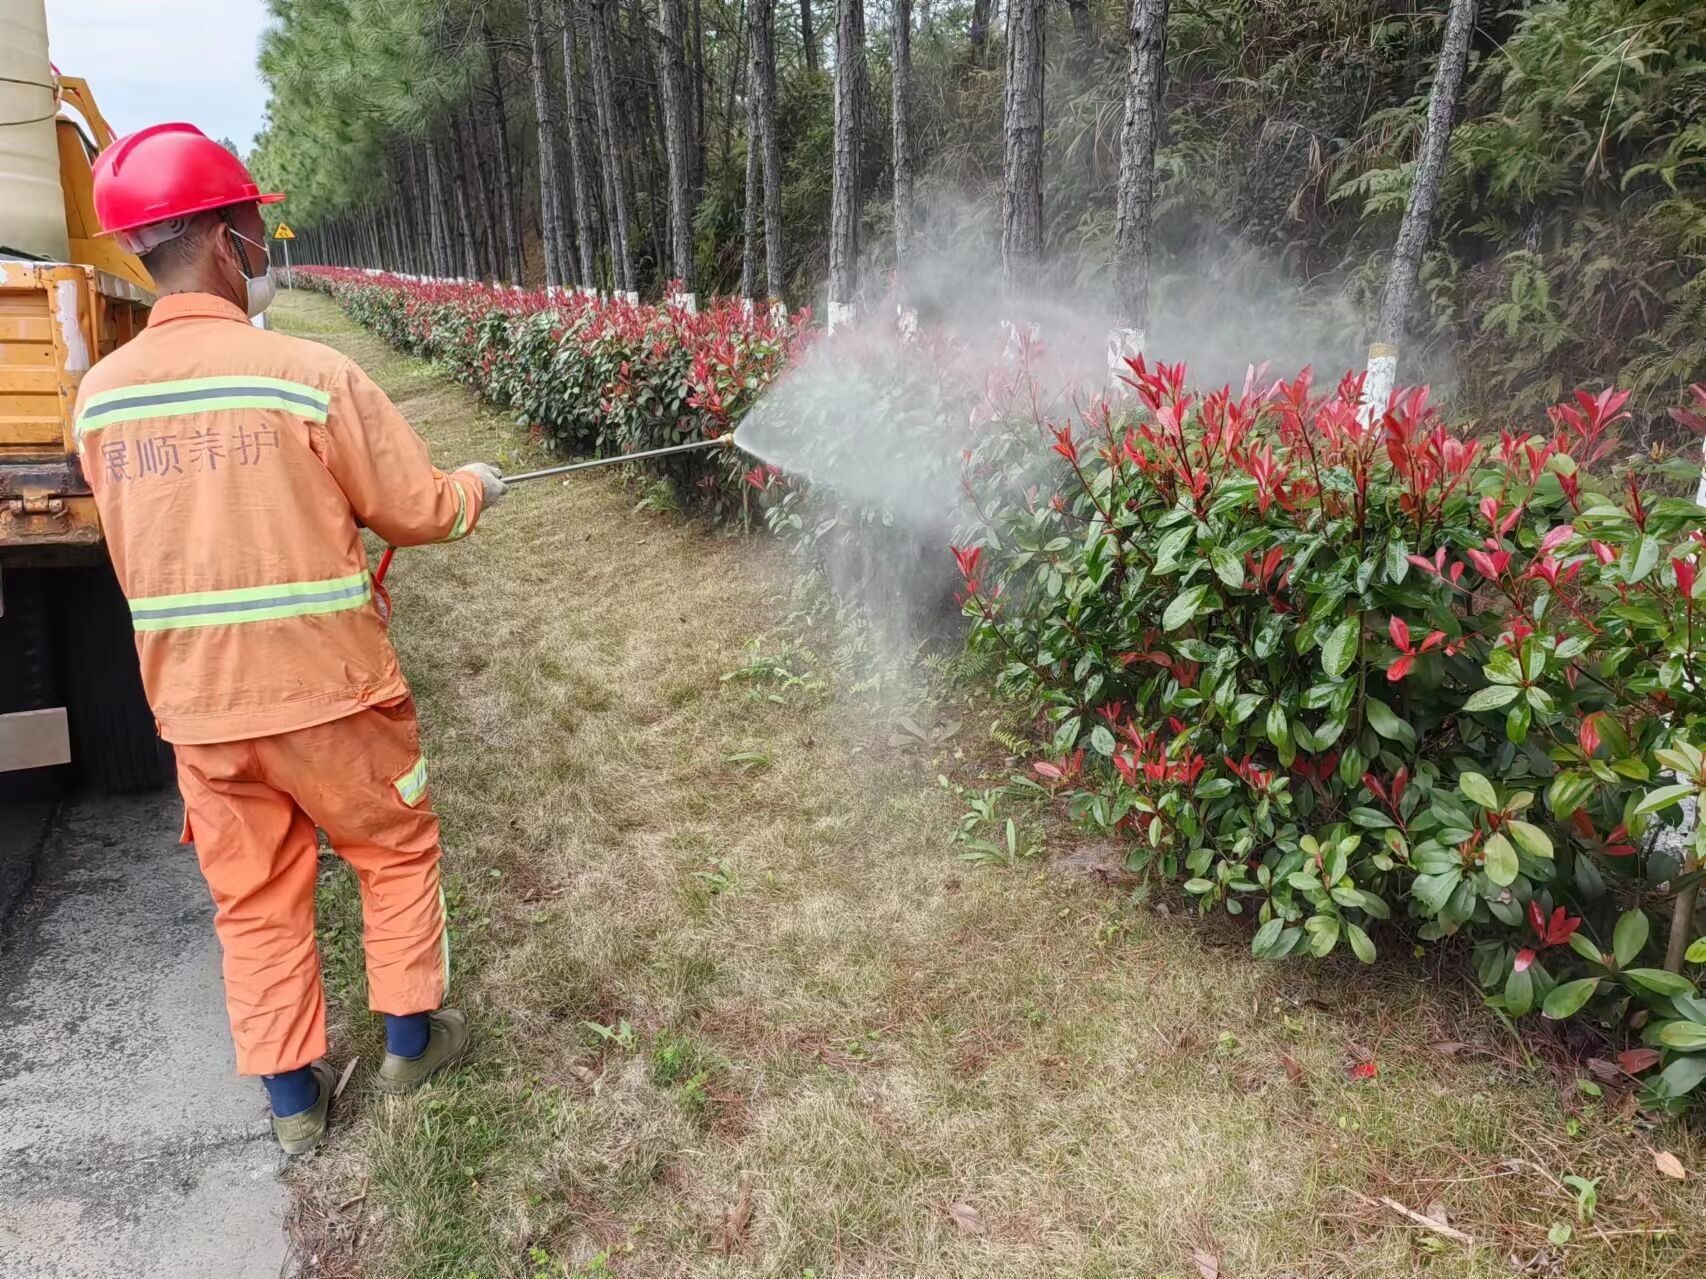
[(492, 486)]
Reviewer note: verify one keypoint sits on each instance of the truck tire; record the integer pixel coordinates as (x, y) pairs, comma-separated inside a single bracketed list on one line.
[(112, 729)]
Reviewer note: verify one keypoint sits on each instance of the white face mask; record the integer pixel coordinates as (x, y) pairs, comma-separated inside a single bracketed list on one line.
[(263, 288)]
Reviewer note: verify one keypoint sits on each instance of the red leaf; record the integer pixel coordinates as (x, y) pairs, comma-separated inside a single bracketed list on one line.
[(1524, 958), (1588, 737), (1537, 917), (1635, 1060), (1400, 668), (1364, 1070), (1684, 577), (1400, 632)]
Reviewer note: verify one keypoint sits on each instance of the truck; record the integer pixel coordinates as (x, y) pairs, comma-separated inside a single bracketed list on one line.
[(71, 698)]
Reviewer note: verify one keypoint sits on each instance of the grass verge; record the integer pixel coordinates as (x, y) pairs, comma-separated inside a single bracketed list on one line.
[(743, 1013)]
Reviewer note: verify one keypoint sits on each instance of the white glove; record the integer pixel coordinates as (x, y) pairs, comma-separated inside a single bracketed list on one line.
[(492, 486)]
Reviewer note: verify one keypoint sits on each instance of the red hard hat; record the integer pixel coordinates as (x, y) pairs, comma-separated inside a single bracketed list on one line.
[(168, 171)]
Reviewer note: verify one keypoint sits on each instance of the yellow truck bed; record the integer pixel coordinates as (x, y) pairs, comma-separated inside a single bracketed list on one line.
[(55, 321)]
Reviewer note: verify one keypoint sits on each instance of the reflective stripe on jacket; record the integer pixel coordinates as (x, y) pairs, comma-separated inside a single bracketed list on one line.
[(231, 465)]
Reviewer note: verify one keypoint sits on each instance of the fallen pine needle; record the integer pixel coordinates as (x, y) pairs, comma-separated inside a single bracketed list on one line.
[(343, 1079), (1427, 1223)]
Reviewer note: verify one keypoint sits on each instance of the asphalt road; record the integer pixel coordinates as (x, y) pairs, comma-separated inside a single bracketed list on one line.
[(128, 1144)]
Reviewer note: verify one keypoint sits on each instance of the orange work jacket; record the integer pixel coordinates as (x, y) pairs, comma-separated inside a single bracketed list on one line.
[(230, 465)]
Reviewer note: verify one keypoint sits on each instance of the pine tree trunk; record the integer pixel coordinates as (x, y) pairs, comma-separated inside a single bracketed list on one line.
[(808, 38), (676, 90), (1417, 227), (698, 100), (586, 213), (736, 67), (903, 157), (644, 120), (1145, 86), (550, 210), (478, 197), (761, 20), (464, 233), (508, 210), (438, 202), (1022, 131), (978, 36), (749, 210), (617, 217), (846, 197)]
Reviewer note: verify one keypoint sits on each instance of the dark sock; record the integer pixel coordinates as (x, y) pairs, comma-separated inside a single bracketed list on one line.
[(406, 1036), (292, 1092)]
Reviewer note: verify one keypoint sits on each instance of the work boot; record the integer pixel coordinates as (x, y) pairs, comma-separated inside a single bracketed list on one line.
[(448, 1037), (300, 1133)]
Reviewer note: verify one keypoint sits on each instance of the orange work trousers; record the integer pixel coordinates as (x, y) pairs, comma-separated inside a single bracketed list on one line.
[(251, 809)]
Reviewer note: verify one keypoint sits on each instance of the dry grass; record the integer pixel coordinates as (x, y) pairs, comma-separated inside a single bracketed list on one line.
[(837, 1032)]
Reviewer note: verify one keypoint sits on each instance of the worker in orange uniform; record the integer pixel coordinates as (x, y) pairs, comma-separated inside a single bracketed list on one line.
[(232, 467)]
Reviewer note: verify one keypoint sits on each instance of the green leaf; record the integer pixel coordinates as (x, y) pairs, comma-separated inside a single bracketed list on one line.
[(1433, 891), (1519, 992), (1361, 946), (1384, 720), (1502, 668), (1584, 947), (1696, 951), (1102, 741), (1684, 1036), (1169, 549), (1479, 789), (1658, 981), (1629, 937), (1663, 797), (1530, 838), (1183, 608), (1267, 938), (1490, 698), (1567, 1000), (1323, 933), (1501, 863), (1340, 648), (1226, 567), (1567, 792), (1681, 1077), (1397, 566), (1640, 558), (1278, 730)]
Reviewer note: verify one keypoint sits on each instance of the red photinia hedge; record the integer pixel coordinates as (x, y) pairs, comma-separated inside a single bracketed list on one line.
[(1331, 671), (592, 375)]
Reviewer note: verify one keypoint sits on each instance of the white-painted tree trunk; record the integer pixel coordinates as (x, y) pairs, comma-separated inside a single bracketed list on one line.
[(1123, 345), (1378, 381)]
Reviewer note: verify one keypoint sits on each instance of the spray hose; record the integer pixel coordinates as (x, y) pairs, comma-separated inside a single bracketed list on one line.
[(721, 442)]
